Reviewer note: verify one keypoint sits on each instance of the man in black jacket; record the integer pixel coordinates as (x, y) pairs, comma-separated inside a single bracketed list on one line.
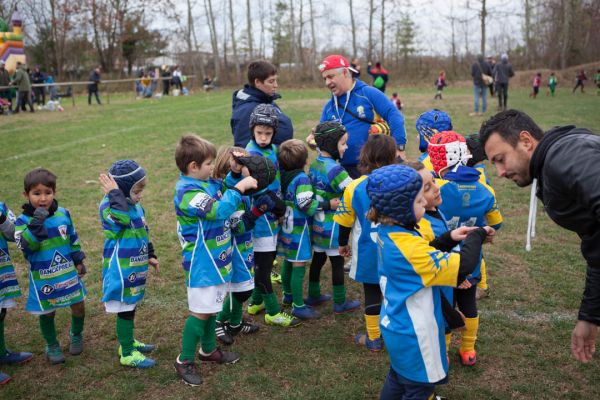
[(565, 161)]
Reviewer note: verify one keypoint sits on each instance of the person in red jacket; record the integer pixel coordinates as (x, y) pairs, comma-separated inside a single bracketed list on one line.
[(379, 75)]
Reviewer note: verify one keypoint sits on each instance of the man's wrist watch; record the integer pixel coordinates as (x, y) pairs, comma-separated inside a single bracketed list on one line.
[(400, 147)]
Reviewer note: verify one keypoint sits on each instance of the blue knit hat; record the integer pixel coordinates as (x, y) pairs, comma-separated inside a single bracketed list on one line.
[(126, 173), (392, 190), (429, 123)]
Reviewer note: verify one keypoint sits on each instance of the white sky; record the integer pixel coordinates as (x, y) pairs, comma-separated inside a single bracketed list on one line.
[(332, 22)]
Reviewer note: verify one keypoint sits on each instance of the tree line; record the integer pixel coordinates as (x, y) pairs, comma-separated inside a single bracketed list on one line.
[(216, 38)]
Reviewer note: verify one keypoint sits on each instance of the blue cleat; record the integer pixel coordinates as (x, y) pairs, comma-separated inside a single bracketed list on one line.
[(287, 299), (15, 357), (143, 348), (315, 301), (4, 378), (137, 360), (305, 312), (347, 306), (372, 345)]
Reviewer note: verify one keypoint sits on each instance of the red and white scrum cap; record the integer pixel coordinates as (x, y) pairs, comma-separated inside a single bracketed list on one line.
[(335, 61), (446, 150)]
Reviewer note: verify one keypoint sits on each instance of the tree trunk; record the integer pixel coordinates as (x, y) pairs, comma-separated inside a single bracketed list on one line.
[(213, 37), (313, 53), (382, 32), (483, 16), (293, 53), (249, 28), (372, 9), (353, 27), (300, 37), (527, 28), (238, 72)]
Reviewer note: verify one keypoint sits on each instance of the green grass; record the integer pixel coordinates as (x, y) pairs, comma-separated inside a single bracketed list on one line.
[(524, 340)]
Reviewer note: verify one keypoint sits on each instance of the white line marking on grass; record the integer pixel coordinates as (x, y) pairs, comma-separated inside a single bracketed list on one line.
[(529, 316)]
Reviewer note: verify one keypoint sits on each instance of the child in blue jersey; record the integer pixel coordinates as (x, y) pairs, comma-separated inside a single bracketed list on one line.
[(45, 234), (229, 320), (428, 124), (203, 208), (127, 253), (9, 289), (329, 180), (301, 205), (351, 215), (411, 272), (466, 202), (263, 127)]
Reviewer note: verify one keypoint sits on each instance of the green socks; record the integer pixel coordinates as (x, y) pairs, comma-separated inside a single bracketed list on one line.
[(209, 339), (125, 335), (314, 289), (193, 331), (257, 297), (235, 318), (225, 313), (77, 325), (339, 294), (297, 285), (2, 344), (286, 277), (271, 304), (48, 328)]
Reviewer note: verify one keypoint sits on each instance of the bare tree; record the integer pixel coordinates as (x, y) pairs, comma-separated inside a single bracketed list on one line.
[(352, 26), (249, 28), (210, 17), (191, 36), (238, 72), (382, 31), (372, 9), (313, 52), (300, 36)]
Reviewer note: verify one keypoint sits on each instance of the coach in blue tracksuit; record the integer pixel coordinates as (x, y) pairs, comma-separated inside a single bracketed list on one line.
[(260, 89), (357, 105)]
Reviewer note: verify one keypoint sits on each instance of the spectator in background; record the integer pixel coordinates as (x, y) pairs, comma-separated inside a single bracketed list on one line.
[(537, 82), (5, 94), (379, 75), (23, 84), (502, 73), (492, 62), (52, 92), (355, 64), (440, 84), (94, 80), (166, 79), (579, 79), (39, 92), (177, 78), (396, 100), (478, 70)]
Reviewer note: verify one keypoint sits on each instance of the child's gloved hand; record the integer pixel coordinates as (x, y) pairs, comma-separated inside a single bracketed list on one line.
[(264, 203), (40, 214), (81, 269)]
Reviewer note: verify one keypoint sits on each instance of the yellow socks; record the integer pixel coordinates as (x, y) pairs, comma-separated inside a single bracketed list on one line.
[(483, 282), (372, 322), (469, 335), (448, 341)]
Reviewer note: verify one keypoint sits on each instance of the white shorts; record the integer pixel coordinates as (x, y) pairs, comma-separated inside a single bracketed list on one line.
[(208, 299), (265, 244), (329, 252), (43, 312), (115, 306), (237, 287), (8, 303)]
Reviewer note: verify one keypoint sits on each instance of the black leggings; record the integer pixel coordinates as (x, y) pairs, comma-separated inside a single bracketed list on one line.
[(466, 301), (372, 298), (263, 265), (502, 91), (337, 268), (242, 296), (128, 315)]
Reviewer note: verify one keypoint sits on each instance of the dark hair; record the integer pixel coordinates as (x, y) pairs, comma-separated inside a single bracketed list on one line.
[(509, 124), (378, 151), (260, 70), (292, 154), (378, 64), (39, 176), (193, 148), (416, 165)]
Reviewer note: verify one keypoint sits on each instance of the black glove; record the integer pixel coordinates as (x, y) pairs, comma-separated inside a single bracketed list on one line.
[(279, 208), (476, 150), (453, 317)]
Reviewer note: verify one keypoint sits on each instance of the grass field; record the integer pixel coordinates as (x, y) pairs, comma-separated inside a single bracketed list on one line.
[(524, 340)]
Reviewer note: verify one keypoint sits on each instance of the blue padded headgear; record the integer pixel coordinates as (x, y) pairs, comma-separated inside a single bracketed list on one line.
[(429, 123), (126, 173), (392, 190)]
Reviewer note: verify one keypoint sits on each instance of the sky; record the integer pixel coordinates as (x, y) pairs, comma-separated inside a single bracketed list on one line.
[(432, 20)]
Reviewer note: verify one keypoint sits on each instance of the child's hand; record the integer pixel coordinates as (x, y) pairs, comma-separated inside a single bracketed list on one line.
[(465, 285), (154, 263), (334, 203), (460, 234), (233, 164), (345, 251), (491, 232), (264, 203), (246, 184), (81, 269), (108, 183), (310, 139)]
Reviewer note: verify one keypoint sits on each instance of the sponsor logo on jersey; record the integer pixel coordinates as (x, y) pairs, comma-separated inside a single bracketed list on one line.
[(304, 199), (202, 201), (18, 235), (224, 238), (140, 259), (438, 257), (62, 229), (131, 277), (58, 264), (360, 110), (47, 289)]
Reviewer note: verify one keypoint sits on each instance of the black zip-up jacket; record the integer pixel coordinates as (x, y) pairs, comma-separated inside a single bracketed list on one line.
[(566, 163)]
